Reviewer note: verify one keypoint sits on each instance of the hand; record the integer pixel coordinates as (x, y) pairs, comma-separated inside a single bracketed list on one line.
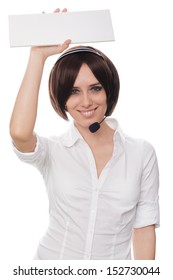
[(47, 51)]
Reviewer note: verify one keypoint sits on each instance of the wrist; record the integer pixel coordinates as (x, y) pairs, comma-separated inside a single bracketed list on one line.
[(37, 54)]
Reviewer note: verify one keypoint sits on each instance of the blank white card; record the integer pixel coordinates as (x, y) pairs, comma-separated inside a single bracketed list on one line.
[(52, 29)]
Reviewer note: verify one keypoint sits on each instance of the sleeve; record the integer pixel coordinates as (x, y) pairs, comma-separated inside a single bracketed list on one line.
[(39, 158), (147, 212)]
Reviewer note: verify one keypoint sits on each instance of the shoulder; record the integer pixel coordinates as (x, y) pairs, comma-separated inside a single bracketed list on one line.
[(48, 143), (136, 146), (140, 147), (138, 143), (54, 141)]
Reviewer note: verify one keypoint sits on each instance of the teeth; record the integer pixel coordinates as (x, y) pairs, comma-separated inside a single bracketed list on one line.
[(88, 113)]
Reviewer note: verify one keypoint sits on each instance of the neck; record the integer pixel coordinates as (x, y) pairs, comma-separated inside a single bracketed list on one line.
[(100, 136)]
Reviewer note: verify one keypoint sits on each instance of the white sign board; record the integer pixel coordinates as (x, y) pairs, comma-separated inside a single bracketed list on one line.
[(55, 28)]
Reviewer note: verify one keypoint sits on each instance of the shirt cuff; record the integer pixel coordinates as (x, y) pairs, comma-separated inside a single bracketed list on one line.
[(147, 214), (29, 155)]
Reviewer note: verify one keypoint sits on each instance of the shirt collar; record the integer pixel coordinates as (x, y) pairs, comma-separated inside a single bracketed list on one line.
[(73, 135), (118, 135)]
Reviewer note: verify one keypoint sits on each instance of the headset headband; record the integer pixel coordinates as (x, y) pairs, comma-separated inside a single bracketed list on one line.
[(78, 50)]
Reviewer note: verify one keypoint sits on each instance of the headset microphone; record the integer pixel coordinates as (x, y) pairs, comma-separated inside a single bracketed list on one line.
[(95, 126)]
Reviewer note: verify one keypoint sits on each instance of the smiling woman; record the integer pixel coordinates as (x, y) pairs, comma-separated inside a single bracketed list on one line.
[(68, 66), (102, 186), (88, 104)]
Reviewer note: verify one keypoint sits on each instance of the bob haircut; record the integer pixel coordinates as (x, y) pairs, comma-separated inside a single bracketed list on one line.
[(66, 69)]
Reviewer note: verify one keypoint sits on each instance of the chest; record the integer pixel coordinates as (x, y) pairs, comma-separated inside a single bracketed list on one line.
[(73, 180), (83, 168), (78, 177), (102, 155)]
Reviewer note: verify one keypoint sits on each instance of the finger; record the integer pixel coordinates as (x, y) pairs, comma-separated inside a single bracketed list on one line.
[(64, 46), (67, 42), (57, 10)]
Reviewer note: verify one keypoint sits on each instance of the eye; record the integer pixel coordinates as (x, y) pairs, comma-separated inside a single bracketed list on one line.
[(74, 91), (96, 88)]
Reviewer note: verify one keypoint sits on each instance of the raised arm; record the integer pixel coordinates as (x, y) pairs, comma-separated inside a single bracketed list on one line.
[(25, 109)]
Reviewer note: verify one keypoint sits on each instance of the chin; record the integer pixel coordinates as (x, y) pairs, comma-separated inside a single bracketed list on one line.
[(83, 125)]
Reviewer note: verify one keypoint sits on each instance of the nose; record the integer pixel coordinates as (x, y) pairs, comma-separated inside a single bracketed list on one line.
[(86, 100)]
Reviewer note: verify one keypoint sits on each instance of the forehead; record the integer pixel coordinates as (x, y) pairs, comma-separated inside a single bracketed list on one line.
[(85, 76)]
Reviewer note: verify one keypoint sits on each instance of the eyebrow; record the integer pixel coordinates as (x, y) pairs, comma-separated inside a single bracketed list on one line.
[(92, 85), (96, 84)]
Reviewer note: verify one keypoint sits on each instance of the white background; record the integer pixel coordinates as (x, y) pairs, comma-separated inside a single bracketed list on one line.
[(143, 55)]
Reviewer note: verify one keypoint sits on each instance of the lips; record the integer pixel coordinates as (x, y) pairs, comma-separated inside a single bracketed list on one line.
[(88, 113)]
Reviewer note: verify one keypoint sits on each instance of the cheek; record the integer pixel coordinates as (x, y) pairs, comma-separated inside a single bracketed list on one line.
[(102, 99), (104, 102), (105, 99), (72, 102)]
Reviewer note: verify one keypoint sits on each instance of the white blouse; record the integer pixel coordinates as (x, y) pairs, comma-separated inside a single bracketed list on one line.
[(91, 217)]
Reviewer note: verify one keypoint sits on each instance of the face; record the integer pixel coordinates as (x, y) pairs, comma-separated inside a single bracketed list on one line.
[(87, 102)]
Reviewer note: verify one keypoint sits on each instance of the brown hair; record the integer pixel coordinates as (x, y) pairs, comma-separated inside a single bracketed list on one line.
[(66, 69)]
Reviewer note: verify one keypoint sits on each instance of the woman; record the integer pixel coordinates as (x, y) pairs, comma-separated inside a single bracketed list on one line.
[(102, 185)]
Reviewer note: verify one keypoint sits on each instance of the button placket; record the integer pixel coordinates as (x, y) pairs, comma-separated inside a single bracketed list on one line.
[(91, 224), (93, 207)]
